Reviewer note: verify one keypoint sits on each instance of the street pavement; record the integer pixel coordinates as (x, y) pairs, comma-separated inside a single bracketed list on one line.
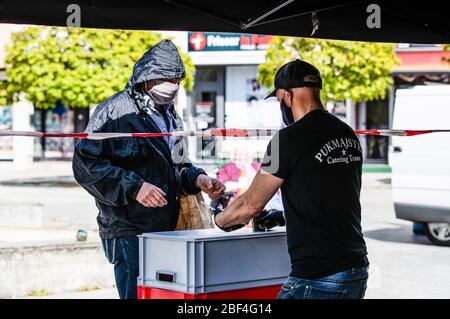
[(403, 265)]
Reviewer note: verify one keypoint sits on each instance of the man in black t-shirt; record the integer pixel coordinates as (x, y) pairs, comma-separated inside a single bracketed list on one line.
[(316, 160)]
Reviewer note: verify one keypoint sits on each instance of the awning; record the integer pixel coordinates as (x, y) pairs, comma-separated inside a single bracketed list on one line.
[(423, 62), (400, 21)]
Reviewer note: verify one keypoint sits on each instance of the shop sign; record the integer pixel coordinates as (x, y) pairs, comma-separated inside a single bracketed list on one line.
[(210, 41)]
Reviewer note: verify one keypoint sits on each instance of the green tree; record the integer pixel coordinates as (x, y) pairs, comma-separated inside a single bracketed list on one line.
[(447, 48), (356, 70), (77, 67), (3, 96)]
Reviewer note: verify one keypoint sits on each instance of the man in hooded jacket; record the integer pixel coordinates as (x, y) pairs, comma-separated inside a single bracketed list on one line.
[(137, 182)]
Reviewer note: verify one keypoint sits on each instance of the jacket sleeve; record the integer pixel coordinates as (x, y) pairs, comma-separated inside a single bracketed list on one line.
[(189, 174), (109, 184)]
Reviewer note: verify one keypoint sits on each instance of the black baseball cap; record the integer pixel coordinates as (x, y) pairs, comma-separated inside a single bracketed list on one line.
[(296, 74)]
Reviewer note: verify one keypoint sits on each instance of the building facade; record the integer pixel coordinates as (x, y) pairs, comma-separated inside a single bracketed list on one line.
[(226, 94)]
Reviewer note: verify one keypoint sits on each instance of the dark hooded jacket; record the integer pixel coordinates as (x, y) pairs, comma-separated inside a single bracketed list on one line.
[(113, 170)]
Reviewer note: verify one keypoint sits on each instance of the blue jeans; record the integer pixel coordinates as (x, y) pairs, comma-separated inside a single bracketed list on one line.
[(123, 253), (350, 284)]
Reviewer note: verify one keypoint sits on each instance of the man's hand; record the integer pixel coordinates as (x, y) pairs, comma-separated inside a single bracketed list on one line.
[(151, 196), (268, 219), (217, 211), (250, 204), (211, 186)]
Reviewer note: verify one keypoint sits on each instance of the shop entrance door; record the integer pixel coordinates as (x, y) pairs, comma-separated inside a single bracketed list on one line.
[(377, 117), (208, 108)]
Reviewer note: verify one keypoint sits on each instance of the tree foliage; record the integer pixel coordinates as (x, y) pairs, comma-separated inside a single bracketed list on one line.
[(447, 48), (356, 70), (78, 67), (3, 96)]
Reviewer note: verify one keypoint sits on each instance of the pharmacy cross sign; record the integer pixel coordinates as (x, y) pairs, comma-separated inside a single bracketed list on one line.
[(197, 41)]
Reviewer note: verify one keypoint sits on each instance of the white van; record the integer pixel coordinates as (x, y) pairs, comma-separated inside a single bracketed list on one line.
[(421, 164)]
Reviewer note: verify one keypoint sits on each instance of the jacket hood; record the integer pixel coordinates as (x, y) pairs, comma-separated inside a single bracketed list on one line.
[(162, 61)]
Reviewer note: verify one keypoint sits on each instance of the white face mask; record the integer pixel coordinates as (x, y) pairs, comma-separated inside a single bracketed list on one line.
[(163, 92)]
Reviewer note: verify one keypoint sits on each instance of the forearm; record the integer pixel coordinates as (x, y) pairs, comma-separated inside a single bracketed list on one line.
[(252, 202), (240, 211)]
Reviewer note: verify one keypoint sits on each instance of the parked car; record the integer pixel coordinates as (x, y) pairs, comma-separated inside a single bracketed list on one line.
[(421, 164)]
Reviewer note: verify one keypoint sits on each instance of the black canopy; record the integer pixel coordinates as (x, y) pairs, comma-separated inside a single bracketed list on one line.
[(401, 21)]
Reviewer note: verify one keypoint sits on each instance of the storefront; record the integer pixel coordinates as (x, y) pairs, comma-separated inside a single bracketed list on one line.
[(60, 119), (227, 93), (6, 143), (419, 65)]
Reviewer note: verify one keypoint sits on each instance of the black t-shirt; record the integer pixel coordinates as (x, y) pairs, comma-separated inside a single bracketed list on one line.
[(320, 159)]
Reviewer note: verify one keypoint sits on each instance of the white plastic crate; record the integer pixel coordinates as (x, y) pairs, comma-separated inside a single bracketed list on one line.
[(210, 260)]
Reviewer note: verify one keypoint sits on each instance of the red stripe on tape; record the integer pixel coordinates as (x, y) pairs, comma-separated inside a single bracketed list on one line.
[(73, 135), (150, 134), (417, 132), (368, 132), (212, 132), (230, 132)]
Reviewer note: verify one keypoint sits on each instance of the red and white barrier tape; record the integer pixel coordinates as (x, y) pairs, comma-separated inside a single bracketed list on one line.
[(399, 132), (208, 133)]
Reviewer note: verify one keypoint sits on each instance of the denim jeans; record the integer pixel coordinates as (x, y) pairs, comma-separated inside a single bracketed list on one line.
[(123, 253), (350, 284)]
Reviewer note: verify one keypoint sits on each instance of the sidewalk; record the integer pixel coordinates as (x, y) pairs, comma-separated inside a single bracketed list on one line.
[(52, 171), (23, 237), (109, 293), (45, 196), (38, 169), (59, 212), (75, 270)]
